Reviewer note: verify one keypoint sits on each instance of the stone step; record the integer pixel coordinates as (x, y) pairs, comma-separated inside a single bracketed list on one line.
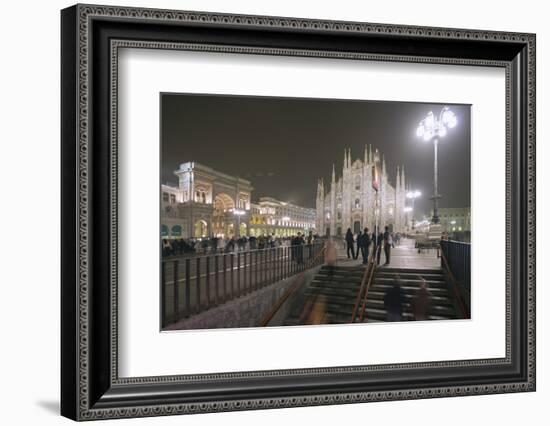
[(353, 278), (409, 289), (345, 305), (380, 315), (358, 268), (335, 284), (436, 299), (417, 271), (430, 283), (331, 292), (407, 276)]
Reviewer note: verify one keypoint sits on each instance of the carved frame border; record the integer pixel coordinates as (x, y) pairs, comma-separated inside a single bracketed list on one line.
[(85, 409)]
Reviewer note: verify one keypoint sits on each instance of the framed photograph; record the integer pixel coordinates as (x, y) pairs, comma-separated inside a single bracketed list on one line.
[(263, 212)]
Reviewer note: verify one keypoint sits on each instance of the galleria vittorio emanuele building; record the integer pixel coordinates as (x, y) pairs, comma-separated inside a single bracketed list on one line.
[(362, 196)]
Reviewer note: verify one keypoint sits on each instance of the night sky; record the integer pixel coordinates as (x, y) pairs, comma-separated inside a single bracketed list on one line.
[(283, 145)]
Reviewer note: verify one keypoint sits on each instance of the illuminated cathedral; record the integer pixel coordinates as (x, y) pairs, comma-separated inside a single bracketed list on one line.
[(362, 196)]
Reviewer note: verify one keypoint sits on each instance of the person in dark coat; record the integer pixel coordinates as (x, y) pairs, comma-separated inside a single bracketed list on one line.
[(388, 242), (309, 242), (393, 301), (359, 240), (214, 244), (349, 244), (252, 241), (296, 248), (230, 245), (365, 244)]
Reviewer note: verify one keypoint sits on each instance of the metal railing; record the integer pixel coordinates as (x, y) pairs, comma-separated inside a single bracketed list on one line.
[(366, 282), (299, 280), (191, 285), (457, 255), (455, 260)]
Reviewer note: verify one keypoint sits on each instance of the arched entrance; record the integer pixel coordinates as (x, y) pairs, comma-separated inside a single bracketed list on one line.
[(201, 229), (223, 204), (356, 227)]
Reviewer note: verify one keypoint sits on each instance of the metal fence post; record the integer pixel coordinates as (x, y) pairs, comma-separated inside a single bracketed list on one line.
[(175, 291), (163, 293), (198, 286), (207, 282)]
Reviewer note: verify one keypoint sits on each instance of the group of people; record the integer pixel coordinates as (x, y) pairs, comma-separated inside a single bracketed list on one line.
[(183, 246), (363, 240), (395, 298)]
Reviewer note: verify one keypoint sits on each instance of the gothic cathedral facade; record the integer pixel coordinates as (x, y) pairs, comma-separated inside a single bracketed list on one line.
[(353, 202)]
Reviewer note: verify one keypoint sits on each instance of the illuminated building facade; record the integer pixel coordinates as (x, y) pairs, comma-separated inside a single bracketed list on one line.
[(207, 202), (351, 200)]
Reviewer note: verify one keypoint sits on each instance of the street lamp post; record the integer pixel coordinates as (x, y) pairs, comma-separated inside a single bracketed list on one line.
[(412, 195), (376, 182), (432, 128)]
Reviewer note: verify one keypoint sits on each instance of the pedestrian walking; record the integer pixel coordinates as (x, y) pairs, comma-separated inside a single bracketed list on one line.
[(359, 240), (393, 301), (365, 245), (388, 242), (422, 303), (349, 244)]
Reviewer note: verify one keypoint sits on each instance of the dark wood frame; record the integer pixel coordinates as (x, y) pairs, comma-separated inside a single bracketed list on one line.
[(90, 386)]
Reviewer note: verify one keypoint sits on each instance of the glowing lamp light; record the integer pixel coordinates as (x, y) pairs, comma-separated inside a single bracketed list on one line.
[(238, 212), (286, 219), (414, 194), (448, 118), (407, 209), (432, 126)]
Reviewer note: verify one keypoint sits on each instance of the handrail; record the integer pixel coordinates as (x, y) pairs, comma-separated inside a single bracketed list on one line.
[(289, 292), (455, 285), (360, 292), (364, 305), (298, 281), (366, 280)]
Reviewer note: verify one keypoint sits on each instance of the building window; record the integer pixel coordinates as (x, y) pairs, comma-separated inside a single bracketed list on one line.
[(339, 215), (357, 183), (165, 197), (172, 199), (357, 203)]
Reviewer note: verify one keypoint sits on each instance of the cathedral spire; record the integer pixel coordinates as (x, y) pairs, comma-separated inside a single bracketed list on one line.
[(403, 176), (370, 153), (366, 155), (383, 165), (333, 174), (345, 158), (398, 180), (349, 158)]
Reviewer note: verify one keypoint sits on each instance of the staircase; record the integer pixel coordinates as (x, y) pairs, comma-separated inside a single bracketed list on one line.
[(337, 292), (441, 307)]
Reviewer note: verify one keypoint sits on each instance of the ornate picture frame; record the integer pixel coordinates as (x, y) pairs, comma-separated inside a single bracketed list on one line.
[(91, 37)]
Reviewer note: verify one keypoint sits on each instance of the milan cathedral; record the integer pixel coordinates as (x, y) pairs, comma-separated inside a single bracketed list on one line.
[(352, 200)]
